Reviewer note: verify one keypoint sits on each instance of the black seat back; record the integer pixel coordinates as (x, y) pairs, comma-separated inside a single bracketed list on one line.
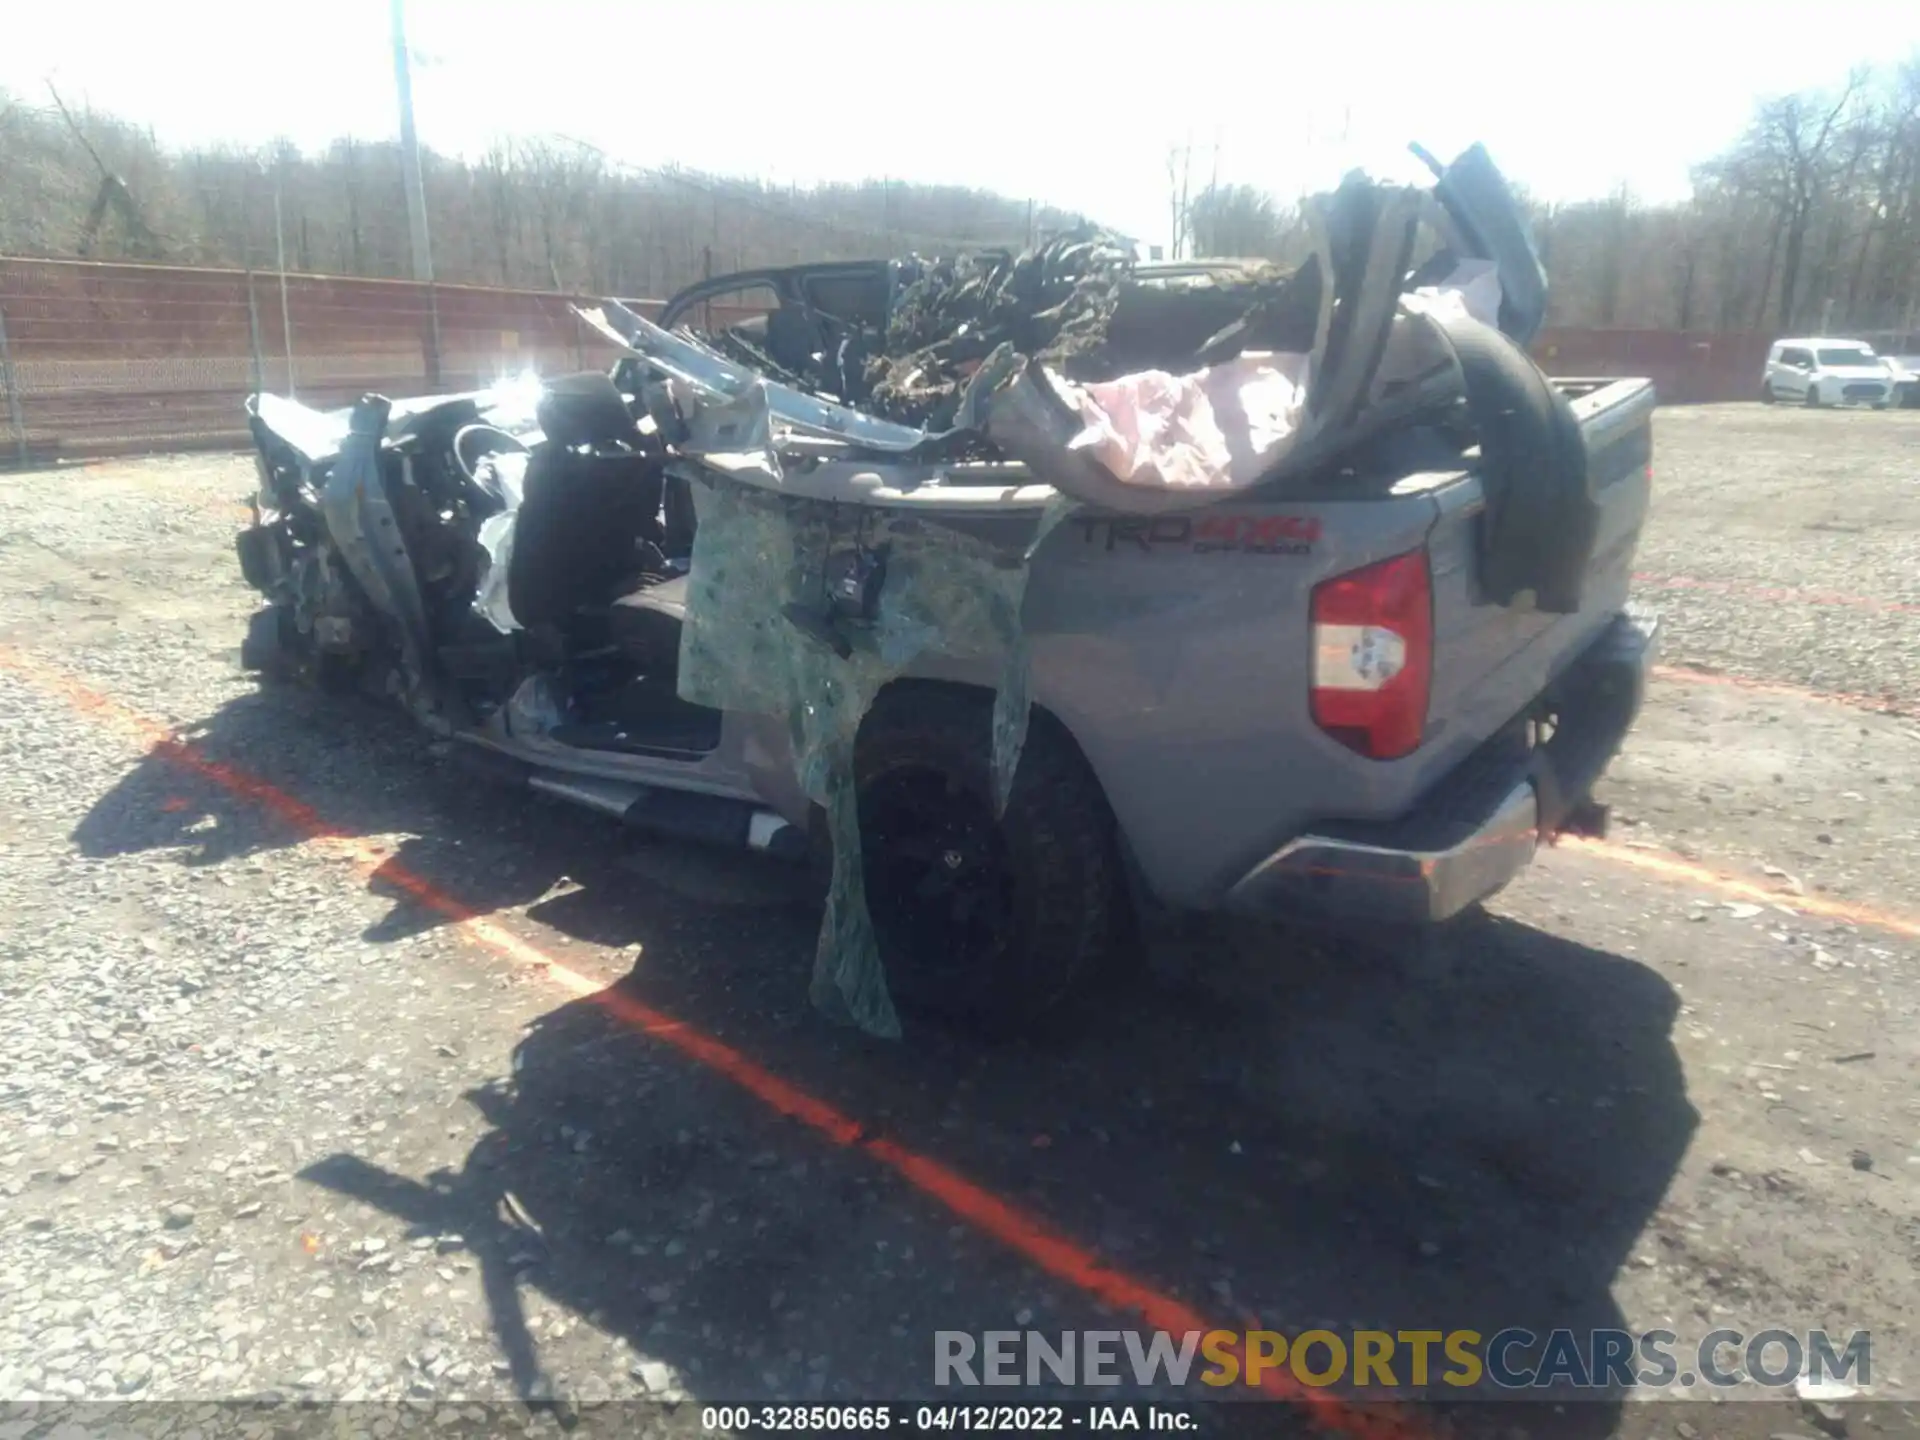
[(574, 538), (792, 338), (586, 409)]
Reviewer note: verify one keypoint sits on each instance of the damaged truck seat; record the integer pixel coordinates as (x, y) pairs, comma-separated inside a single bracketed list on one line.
[(579, 522), (647, 623)]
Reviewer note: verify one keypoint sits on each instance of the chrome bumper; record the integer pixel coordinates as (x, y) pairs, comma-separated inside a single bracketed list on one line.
[(1344, 879), (1379, 873)]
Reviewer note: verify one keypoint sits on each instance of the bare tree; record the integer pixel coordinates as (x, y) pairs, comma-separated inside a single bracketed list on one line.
[(1816, 206), (113, 194), (1788, 150), (1180, 197), (1616, 218), (1242, 221)]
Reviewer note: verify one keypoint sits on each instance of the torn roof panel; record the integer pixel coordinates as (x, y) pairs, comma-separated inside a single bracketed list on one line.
[(684, 358)]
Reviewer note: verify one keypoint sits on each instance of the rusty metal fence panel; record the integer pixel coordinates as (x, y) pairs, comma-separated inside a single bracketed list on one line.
[(104, 355), (102, 359), (1687, 367)]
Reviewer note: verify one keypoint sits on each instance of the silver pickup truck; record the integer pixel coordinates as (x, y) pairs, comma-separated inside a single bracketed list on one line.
[(1363, 688)]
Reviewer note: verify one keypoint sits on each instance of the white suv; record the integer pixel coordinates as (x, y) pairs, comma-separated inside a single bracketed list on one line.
[(1826, 372)]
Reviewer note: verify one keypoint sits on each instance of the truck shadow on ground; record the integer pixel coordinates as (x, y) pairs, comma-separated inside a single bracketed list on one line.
[(1285, 1133)]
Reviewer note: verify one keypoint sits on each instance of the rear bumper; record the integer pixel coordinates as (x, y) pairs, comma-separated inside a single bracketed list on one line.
[(1478, 829), (1337, 878)]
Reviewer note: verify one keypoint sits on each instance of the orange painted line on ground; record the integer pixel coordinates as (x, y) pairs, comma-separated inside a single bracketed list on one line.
[(1777, 593), (1675, 868), (1879, 704), (1022, 1232)]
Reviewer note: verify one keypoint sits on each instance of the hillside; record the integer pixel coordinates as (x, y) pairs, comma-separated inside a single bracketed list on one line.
[(1811, 220), (534, 214)]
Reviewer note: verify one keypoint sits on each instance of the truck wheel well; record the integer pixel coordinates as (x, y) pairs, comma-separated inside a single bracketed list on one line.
[(895, 691), (907, 691), (1049, 868), (1140, 892)]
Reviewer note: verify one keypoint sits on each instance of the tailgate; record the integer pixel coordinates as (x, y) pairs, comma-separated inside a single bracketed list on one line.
[(1491, 661), (1178, 649)]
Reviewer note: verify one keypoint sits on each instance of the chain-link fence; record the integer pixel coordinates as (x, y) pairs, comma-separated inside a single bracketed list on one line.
[(103, 359)]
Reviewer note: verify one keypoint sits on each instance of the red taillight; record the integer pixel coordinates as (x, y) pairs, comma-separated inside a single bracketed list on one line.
[(1373, 656)]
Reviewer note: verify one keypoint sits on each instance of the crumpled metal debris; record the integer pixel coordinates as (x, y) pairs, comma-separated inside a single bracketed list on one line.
[(1054, 300), (700, 378), (1076, 303), (360, 515), (1365, 357)]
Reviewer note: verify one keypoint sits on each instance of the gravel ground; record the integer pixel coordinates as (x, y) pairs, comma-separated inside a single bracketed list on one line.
[(1802, 530), (277, 1125)]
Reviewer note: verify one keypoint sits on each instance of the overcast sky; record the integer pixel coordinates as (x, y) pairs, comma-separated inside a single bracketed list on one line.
[(1067, 102)]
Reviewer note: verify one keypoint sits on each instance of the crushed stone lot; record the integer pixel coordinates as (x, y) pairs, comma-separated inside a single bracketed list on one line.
[(1784, 545), (312, 1090)]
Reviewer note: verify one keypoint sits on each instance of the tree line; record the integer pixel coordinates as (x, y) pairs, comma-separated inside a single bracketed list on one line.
[(537, 213), (1809, 221)]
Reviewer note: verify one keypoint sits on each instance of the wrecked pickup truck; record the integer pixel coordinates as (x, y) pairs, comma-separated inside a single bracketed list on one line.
[(1032, 590)]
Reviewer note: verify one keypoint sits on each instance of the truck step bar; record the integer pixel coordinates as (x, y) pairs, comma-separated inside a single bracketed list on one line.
[(676, 814)]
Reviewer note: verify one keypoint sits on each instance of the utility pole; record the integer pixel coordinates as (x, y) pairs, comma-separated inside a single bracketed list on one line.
[(416, 190), (410, 151), (280, 258)]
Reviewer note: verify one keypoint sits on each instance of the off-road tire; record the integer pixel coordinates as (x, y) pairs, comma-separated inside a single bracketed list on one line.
[(1068, 904), (1767, 397), (1812, 400)]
